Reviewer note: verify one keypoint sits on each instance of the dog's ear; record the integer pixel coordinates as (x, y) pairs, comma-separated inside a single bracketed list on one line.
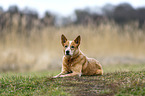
[(77, 40), (63, 39)]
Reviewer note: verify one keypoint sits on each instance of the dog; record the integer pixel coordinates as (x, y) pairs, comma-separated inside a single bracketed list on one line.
[(75, 62)]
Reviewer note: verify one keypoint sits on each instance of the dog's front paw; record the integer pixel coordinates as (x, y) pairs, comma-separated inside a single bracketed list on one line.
[(62, 75), (55, 76)]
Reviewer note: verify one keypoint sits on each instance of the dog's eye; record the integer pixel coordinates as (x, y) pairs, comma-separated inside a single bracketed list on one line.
[(72, 46), (66, 46)]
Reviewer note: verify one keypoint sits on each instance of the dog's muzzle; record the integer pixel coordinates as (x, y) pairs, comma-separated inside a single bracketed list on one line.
[(67, 52)]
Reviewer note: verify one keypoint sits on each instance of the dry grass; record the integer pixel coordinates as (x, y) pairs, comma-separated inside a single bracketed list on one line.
[(41, 49)]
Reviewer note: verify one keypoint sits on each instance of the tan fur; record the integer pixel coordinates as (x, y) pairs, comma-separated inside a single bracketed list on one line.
[(78, 63)]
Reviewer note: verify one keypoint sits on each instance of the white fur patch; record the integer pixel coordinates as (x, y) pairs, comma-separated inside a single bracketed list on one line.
[(69, 43), (69, 48)]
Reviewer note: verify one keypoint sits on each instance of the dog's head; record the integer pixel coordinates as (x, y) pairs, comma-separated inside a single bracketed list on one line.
[(71, 48)]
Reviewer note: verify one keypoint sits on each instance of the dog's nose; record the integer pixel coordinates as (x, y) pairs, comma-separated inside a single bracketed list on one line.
[(67, 52)]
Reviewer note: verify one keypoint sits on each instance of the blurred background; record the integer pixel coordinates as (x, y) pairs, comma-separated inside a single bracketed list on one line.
[(113, 32)]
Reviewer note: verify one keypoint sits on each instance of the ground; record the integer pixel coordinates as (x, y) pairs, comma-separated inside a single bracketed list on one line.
[(119, 83)]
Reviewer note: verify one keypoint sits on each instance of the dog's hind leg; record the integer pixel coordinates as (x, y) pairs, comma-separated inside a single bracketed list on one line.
[(99, 72)]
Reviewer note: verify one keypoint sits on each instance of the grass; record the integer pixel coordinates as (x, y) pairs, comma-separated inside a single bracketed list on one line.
[(28, 84), (123, 67), (116, 82)]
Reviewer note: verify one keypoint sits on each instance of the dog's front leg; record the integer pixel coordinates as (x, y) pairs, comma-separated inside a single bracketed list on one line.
[(63, 72), (71, 74), (58, 75), (76, 71)]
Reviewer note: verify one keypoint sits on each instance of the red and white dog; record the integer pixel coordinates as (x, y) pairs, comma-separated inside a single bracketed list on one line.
[(75, 62)]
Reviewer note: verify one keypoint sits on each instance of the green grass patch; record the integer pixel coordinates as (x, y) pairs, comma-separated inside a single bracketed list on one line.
[(29, 84), (116, 82), (123, 67)]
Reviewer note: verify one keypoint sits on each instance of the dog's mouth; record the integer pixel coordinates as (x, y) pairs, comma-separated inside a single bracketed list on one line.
[(67, 54)]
